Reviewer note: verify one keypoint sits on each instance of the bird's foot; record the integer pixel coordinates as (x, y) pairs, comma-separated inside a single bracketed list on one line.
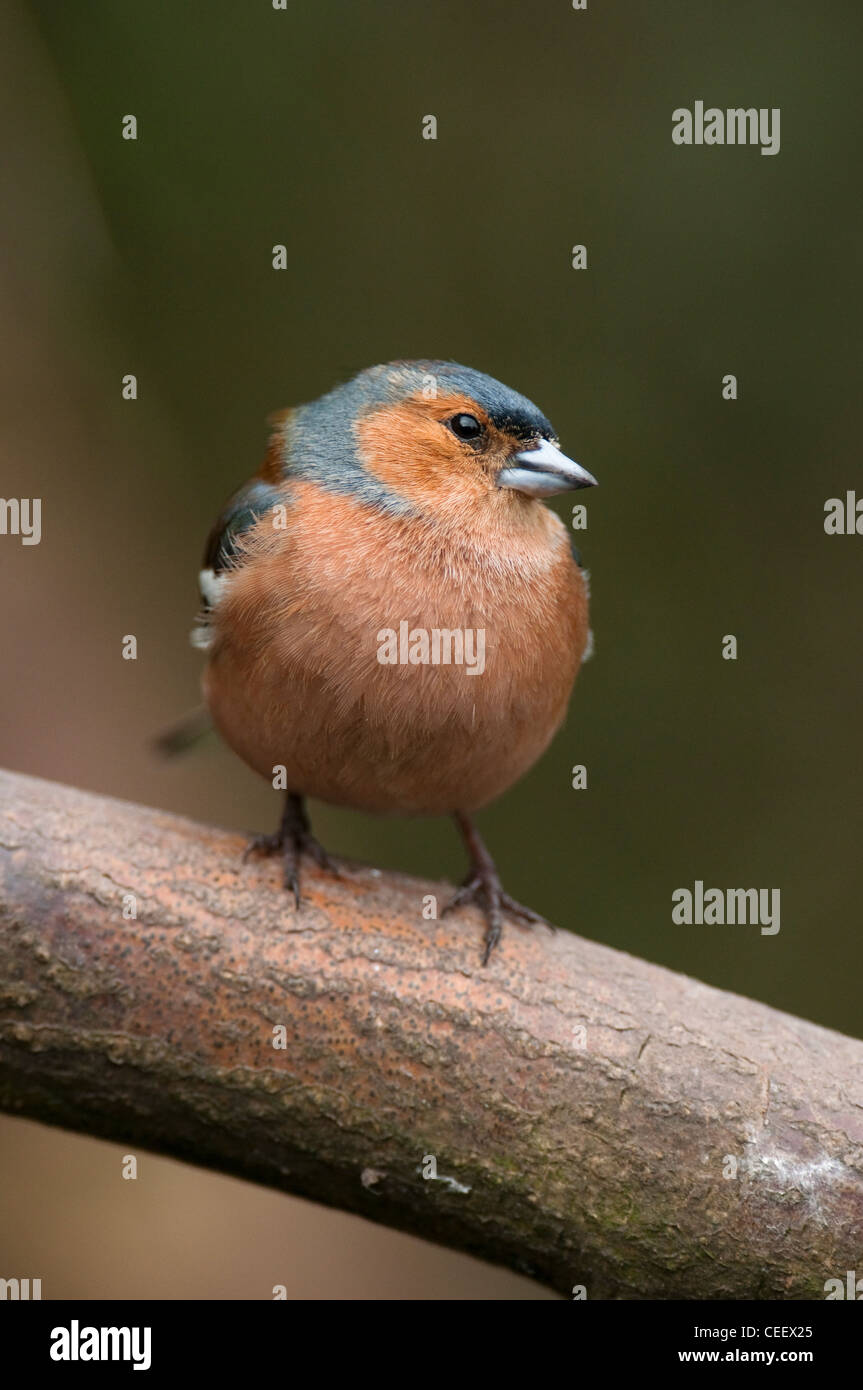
[(482, 890), (292, 840)]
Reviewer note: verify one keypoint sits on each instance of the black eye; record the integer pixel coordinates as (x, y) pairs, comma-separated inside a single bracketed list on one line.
[(465, 426)]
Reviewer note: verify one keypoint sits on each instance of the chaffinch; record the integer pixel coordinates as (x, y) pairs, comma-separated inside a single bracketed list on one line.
[(393, 620)]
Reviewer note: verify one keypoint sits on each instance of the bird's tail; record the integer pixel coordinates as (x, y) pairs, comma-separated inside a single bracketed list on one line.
[(184, 734)]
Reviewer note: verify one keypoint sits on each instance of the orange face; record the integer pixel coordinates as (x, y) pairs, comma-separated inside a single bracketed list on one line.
[(431, 451), (446, 452)]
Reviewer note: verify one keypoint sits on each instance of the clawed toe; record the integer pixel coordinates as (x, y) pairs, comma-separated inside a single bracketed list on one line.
[(263, 844), (292, 840), (486, 893), (468, 893), (482, 888), (309, 845), (526, 914)]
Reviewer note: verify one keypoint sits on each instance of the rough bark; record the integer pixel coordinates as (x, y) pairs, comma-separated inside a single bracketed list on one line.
[(584, 1108)]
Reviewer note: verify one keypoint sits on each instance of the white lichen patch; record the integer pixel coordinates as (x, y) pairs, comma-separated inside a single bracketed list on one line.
[(777, 1171)]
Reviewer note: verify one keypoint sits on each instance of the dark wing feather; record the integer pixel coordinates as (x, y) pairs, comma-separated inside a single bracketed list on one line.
[(246, 507)]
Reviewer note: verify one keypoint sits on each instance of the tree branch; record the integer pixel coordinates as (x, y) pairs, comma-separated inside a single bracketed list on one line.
[(585, 1109)]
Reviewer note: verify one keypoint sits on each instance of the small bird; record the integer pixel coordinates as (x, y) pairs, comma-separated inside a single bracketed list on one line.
[(392, 618)]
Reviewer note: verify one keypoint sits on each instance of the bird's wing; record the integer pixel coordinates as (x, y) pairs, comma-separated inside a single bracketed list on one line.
[(222, 552), (253, 500)]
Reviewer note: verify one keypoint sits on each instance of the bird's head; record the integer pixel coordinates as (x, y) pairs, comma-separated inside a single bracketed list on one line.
[(431, 435)]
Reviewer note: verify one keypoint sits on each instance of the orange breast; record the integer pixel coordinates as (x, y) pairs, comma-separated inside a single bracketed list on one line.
[(326, 659)]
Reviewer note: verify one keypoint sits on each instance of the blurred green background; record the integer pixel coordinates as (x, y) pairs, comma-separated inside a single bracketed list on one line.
[(303, 127)]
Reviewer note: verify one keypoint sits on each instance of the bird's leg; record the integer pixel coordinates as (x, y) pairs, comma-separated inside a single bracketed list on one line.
[(293, 838), (482, 887)]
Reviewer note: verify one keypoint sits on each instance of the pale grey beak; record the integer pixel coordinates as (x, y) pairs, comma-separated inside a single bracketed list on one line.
[(543, 471)]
